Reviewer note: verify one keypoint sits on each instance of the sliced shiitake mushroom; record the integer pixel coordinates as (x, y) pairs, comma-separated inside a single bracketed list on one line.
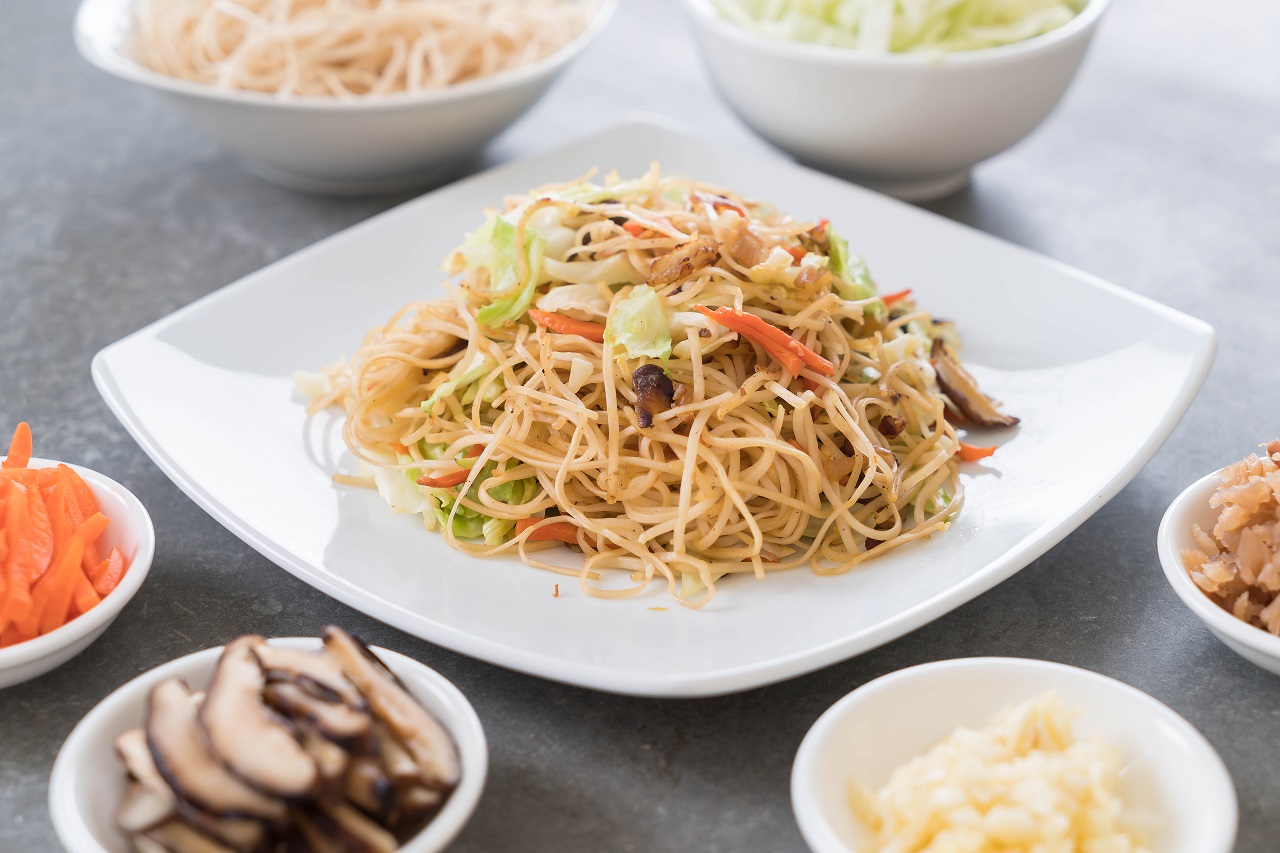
[(150, 800), (142, 808), (370, 789), (682, 261), (340, 723), (359, 832), (962, 389), (330, 759), (414, 802), (194, 774), (397, 763), (420, 732), (177, 837), (320, 675), (654, 393), (257, 744)]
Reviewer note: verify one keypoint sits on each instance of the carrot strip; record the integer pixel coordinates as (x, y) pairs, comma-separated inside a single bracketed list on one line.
[(891, 298), (19, 448), (42, 541), (972, 452), (556, 531), (568, 326), (445, 481), (19, 565), (46, 479), (108, 573), (475, 450), (80, 489), (11, 636), (58, 588), (635, 229), (84, 596), (796, 252), (775, 341)]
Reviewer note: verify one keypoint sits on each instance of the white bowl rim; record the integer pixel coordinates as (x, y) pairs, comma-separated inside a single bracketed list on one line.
[(118, 64), (1176, 518), (820, 836), (68, 823), (831, 55), (110, 606)]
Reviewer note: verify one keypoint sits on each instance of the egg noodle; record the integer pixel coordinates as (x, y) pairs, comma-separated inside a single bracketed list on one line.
[(350, 47), (581, 385)]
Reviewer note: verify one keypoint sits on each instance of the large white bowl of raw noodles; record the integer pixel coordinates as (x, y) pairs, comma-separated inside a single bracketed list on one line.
[(343, 96)]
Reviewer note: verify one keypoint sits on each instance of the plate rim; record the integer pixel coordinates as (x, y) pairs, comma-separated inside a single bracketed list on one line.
[(657, 684)]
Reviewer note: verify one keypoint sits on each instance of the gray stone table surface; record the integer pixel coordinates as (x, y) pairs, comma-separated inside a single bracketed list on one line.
[(1160, 171)]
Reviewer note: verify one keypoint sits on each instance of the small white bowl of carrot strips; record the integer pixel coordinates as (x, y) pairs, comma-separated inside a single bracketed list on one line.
[(75, 546)]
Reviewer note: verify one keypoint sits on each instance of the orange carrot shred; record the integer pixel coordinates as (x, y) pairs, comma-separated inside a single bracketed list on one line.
[(972, 452), (445, 481), (555, 531), (41, 532), (80, 489), (108, 573), (891, 298), (635, 229), (60, 587), (19, 448), (19, 564), (568, 326)]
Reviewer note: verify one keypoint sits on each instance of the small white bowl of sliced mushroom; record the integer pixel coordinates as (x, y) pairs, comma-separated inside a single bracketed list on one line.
[(293, 743)]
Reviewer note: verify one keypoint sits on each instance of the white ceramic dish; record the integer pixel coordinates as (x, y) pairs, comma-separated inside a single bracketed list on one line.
[(1171, 772), (1192, 507), (130, 530), (911, 125), (316, 144), (208, 394), (88, 781)]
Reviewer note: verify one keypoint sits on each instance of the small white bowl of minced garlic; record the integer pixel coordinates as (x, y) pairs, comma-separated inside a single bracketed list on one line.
[(997, 754)]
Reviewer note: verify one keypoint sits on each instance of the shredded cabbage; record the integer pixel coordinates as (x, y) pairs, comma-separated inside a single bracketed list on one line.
[(902, 26), (480, 367), (639, 324), (492, 247)]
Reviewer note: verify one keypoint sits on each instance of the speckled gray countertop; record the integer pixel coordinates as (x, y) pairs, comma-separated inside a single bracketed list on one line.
[(1160, 172)]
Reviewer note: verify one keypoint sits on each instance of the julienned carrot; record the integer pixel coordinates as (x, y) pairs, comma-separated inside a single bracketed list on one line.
[(109, 572), (49, 566), (972, 452), (445, 481), (62, 579), (556, 531), (891, 298), (568, 326), (19, 448), (786, 349), (797, 253), (635, 229)]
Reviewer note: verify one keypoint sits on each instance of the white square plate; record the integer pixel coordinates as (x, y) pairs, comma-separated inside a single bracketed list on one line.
[(1098, 375)]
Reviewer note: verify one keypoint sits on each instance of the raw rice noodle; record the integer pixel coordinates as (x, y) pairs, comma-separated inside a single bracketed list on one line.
[(350, 48)]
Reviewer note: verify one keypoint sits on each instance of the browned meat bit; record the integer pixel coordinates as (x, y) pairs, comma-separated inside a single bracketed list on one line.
[(891, 426), (654, 393), (744, 245), (681, 262), (811, 281), (1273, 448), (817, 239), (962, 390)]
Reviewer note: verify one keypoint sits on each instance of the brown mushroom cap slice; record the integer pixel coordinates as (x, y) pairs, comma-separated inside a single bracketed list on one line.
[(150, 800), (422, 735), (397, 764), (142, 808), (359, 832), (414, 802), (369, 788), (330, 759), (194, 774), (239, 833), (962, 389), (177, 837), (317, 673), (342, 724), (251, 740)]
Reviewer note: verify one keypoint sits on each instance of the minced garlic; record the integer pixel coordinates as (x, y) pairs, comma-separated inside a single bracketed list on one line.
[(1022, 783)]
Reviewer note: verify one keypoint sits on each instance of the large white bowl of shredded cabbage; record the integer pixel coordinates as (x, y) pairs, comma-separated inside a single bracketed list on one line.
[(904, 96)]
